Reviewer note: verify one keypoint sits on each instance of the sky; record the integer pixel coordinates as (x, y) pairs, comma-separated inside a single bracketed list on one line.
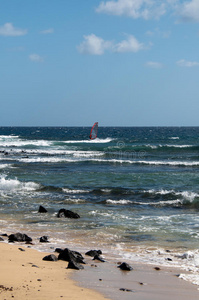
[(118, 62)]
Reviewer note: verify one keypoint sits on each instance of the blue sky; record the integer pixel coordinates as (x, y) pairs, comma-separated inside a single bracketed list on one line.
[(118, 62)]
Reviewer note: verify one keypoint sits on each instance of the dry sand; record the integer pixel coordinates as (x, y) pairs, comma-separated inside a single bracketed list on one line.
[(24, 275)]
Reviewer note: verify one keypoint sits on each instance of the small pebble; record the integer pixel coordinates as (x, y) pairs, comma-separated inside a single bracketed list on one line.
[(126, 290), (21, 249)]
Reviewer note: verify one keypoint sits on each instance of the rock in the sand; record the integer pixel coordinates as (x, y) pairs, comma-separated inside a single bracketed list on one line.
[(50, 257), (42, 209), (74, 265), (19, 237), (125, 267), (4, 234), (64, 213), (21, 249), (126, 290), (92, 253), (1, 239), (69, 255), (59, 250), (44, 239), (97, 257)]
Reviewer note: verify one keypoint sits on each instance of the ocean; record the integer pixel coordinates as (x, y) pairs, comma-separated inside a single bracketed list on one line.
[(135, 188)]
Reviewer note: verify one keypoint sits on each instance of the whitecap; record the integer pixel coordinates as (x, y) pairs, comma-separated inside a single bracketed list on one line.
[(72, 191), (174, 138), (96, 141), (109, 201), (4, 166), (16, 185), (15, 141)]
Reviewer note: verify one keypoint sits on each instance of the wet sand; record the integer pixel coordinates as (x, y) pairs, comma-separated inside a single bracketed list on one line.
[(24, 275), (144, 282)]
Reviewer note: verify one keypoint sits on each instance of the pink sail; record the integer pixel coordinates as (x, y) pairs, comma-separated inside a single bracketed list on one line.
[(93, 133)]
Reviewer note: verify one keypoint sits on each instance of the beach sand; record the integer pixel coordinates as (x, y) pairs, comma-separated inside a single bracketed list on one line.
[(24, 275), (144, 282)]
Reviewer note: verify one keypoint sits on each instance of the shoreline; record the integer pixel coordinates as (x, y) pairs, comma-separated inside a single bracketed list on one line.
[(24, 275), (143, 282)]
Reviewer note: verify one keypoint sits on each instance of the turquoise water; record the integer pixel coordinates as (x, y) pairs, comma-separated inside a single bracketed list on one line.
[(136, 189)]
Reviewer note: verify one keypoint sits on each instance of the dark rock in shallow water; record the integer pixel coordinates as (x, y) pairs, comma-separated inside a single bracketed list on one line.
[(1, 239), (169, 259), (125, 267), (69, 255), (50, 257), (42, 209), (19, 237), (74, 265), (44, 239), (64, 213), (92, 253), (97, 257)]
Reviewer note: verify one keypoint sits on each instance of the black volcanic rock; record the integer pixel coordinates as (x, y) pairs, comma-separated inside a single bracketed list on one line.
[(92, 253), (97, 257), (42, 209), (50, 257), (64, 213), (59, 250), (19, 237), (44, 239), (125, 267), (74, 265), (69, 255)]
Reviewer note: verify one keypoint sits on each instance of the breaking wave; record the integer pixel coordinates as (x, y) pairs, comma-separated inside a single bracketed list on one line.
[(14, 185)]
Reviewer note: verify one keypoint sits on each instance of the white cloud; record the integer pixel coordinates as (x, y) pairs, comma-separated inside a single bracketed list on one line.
[(8, 30), (154, 64), (188, 64), (157, 32), (94, 45), (47, 31), (189, 11), (129, 45), (36, 58), (150, 33), (146, 9)]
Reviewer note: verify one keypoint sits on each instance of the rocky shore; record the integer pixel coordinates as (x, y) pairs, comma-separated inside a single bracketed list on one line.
[(29, 274)]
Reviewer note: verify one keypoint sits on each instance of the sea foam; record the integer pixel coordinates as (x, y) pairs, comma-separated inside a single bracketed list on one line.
[(9, 184)]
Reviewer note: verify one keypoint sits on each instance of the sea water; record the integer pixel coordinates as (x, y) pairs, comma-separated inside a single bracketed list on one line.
[(136, 190)]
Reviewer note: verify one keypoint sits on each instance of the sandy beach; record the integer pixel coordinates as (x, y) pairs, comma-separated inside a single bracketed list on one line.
[(24, 275)]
